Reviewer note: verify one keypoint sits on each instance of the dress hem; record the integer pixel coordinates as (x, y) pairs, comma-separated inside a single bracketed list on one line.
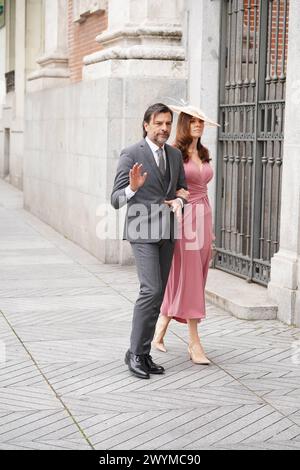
[(184, 320)]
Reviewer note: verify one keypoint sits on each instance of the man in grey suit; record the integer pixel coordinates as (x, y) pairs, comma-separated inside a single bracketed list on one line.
[(149, 175)]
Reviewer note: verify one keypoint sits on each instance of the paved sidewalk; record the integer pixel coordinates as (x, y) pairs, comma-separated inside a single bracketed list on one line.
[(65, 321)]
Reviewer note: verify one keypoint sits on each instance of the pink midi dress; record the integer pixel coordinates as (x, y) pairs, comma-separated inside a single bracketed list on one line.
[(185, 291)]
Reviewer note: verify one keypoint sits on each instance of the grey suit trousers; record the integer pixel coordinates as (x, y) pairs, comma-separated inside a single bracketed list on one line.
[(153, 262)]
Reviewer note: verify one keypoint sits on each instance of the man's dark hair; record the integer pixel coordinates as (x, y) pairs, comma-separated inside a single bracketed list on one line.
[(153, 110)]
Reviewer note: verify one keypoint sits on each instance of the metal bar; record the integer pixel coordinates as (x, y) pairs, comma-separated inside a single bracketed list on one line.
[(282, 109), (241, 32), (278, 165), (264, 161), (236, 105), (253, 80), (248, 228), (273, 119), (236, 166), (223, 241), (269, 139), (266, 119), (282, 74), (271, 165), (228, 60), (275, 77), (241, 235), (225, 27), (231, 161), (269, 53), (260, 91), (234, 81), (246, 81), (271, 101)]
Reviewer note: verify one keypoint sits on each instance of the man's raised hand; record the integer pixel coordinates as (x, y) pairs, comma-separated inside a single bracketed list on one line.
[(136, 178)]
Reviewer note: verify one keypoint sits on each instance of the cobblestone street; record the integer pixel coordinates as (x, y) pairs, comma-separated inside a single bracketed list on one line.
[(64, 324)]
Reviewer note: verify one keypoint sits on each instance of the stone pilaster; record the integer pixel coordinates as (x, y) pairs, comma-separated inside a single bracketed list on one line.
[(20, 59), (285, 265), (53, 63)]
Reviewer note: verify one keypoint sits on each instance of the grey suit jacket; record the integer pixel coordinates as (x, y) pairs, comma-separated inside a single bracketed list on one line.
[(148, 218)]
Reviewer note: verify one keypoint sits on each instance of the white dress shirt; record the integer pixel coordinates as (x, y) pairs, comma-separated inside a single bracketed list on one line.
[(154, 149)]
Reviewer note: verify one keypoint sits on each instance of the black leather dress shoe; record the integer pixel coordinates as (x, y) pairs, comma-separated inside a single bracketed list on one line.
[(151, 366), (136, 365)]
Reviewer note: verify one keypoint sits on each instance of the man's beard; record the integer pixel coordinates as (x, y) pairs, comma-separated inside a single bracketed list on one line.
[(162, 138)]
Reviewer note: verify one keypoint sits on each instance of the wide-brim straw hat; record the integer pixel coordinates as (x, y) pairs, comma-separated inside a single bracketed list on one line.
[(196, 112)]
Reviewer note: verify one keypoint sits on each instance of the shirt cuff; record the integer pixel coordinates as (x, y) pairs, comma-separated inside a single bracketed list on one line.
[(129, 193), (181, 201)]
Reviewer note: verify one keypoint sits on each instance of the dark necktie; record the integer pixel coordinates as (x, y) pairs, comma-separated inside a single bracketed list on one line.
[(161, 161)]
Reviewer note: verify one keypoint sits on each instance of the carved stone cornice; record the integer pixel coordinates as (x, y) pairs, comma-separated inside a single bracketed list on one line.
[(136, 52)]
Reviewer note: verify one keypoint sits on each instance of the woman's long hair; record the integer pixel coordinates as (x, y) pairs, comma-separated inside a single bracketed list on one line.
[(183, 139)]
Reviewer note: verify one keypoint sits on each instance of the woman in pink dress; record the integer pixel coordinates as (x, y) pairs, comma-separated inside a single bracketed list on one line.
[(184, 298)]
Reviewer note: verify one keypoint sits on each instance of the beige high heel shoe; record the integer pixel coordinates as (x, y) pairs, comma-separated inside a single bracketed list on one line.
[(160, 331), (197, 354)]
